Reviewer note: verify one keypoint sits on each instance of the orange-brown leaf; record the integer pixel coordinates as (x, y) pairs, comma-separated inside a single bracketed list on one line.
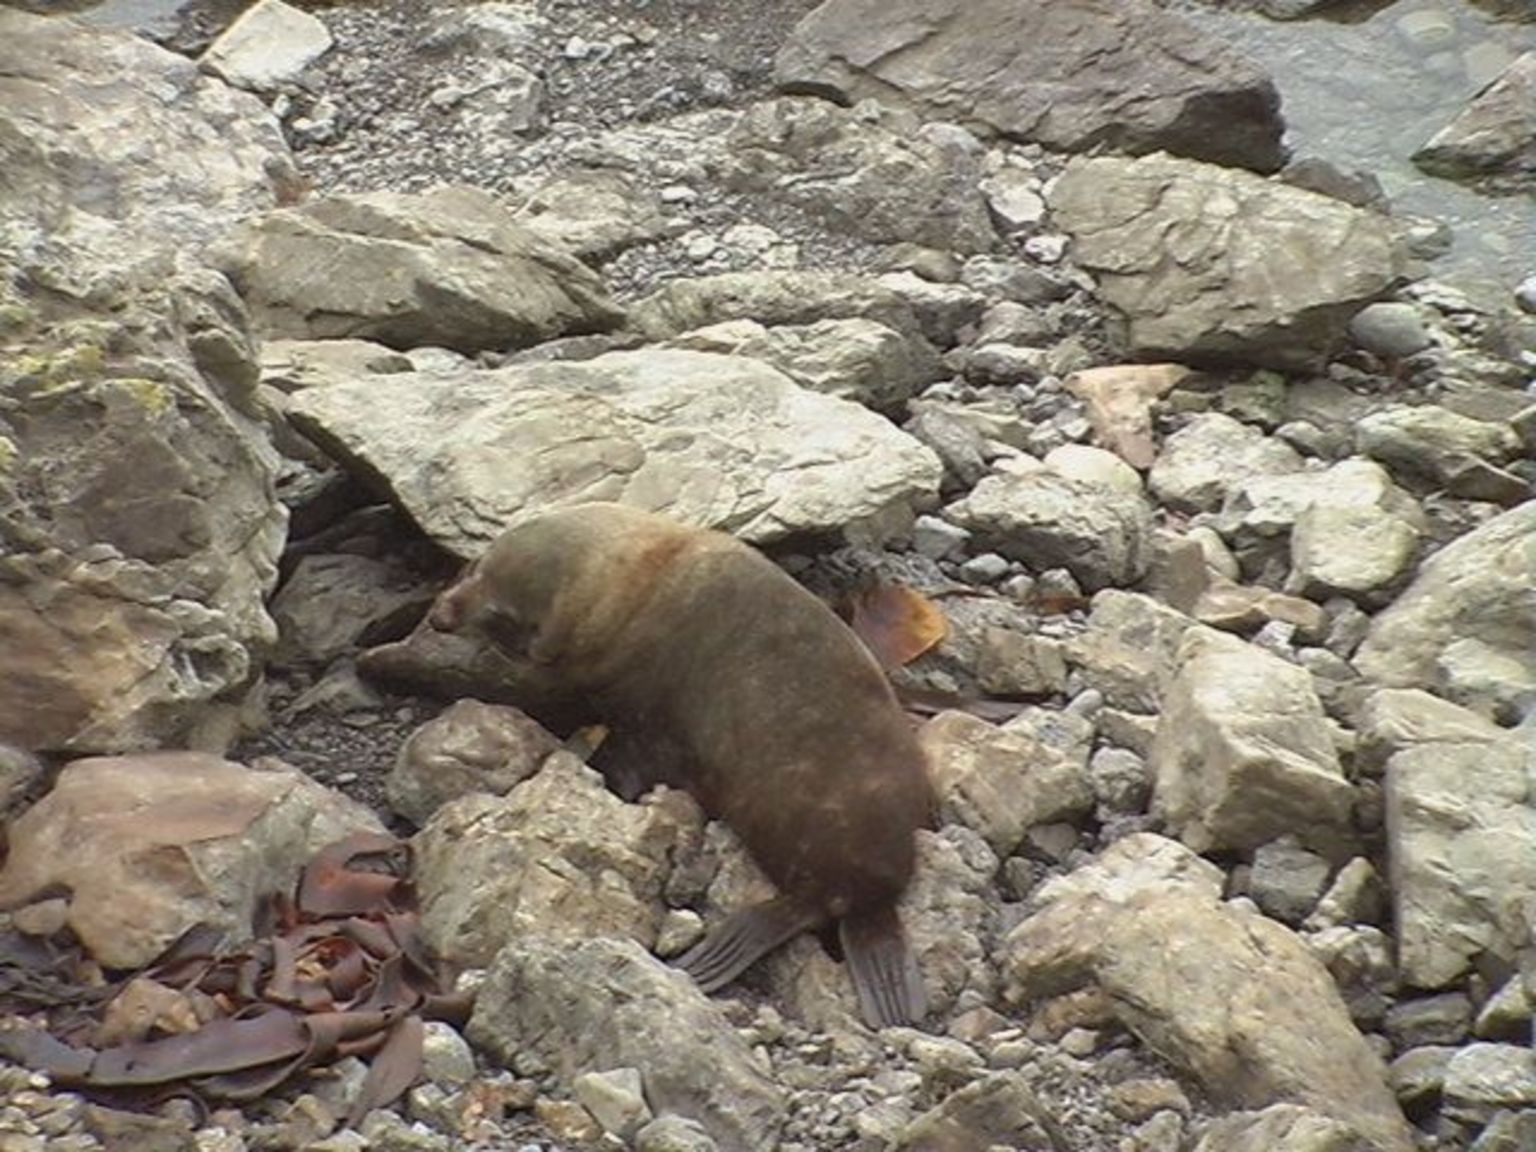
[(897, 623)]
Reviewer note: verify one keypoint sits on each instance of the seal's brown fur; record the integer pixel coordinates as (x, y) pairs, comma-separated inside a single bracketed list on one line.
[(780, 721)]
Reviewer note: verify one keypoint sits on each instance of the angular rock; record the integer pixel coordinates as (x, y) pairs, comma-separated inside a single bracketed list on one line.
[(468, 747), (1495, 135), (1208, 458), (949, 914), (1483, 1079), (1437, 445), (1223, 993), (447, 267), (558, 857), (333, 603), (943, 310), (720, 441), (1394, 719), (1129, 647), (602, 1004), (769, 297), (869, 171), (291, 365), (147, 846), (1001, 1108), (1243, 752), (1001, 781), (1097, 532), (1465, 628), (1069, 74), (595, 213), (141, 529), (1213, 264), (1461, 831), (853, 359), (267, 46), (1281, 1128), (1390, 328)]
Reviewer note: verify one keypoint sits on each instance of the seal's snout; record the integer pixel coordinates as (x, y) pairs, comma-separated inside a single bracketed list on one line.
[(445, 615)]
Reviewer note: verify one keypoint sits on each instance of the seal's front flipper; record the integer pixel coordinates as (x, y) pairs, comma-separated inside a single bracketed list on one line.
[(883, 968), (742, 939)]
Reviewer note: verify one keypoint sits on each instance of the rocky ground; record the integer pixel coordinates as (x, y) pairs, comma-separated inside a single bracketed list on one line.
[(1226, 499)]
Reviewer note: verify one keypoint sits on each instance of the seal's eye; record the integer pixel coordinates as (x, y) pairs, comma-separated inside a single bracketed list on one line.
[(507, 632)]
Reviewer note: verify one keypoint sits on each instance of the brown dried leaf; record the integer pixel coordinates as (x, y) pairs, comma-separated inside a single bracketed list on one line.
[(897, 623), (331, 886)]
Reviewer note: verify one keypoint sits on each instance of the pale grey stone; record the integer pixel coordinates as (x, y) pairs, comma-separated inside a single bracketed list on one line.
[(446, 1058), (1483, 1079), (1281, 1128), (1465, 627), (1200, 980), (938, 539), (586, 1004), (869, 171), (720, 441), (997, 1108), (1238, 723), (450, 266), (594, 213), (1001, 781), (1390, 328), (1493, 135), (1444, 1019), (1126, 74), (1092, 465), (1129, 647), (468, 747), (772, 297), (1211, 456), (1433, 443), (1287, 880), (1234, 277), (1461, 828), (1098, 533), (674, 1134), (615, 1098), (559, 856), (269, 45)]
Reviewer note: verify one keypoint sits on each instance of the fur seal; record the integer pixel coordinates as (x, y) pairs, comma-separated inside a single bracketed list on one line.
[(738, 684)]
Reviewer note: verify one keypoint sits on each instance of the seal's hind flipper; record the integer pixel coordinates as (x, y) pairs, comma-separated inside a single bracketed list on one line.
[(743, 938), (883, 968)]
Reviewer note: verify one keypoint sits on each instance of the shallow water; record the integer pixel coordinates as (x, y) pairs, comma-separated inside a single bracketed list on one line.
[(1366, 94)]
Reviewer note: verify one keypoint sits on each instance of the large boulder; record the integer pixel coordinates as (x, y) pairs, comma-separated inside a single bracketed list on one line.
[(1466, 626), (139, 525), (1069, 74), (147, 846), (1494, 136), (720, 441), (447, 267), (1214, 264), (1221, 991)]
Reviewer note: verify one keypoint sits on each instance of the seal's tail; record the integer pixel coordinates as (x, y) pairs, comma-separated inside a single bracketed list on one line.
[(884, 971)]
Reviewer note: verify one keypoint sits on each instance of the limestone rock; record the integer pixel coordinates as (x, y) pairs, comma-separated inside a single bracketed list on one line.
[(1439, 446), (449, 267), (1495, 135), (1069, 75), (1129, 647), (1223, 993), (1001, 781), (594, 213), (1097, 532), (604, 1003), (720, 441), (1281, 1128), (1210, 456), (1120, 399), (869, 171), (331, 603), (789, 296), (854, 359), (1215, 264), (141, 528), (268, 45), (1243, 752), (291, 365), (1483, 1079), (1393, 719), (559, 856), (149, 845), (1000, 1109), (469, 747), (1465, 627), (1461, 828)]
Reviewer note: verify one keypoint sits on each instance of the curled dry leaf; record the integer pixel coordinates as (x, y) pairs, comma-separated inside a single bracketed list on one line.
[(896, 623)]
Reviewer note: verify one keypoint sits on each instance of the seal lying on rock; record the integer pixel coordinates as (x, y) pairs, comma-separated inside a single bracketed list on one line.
[(768, 709)]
